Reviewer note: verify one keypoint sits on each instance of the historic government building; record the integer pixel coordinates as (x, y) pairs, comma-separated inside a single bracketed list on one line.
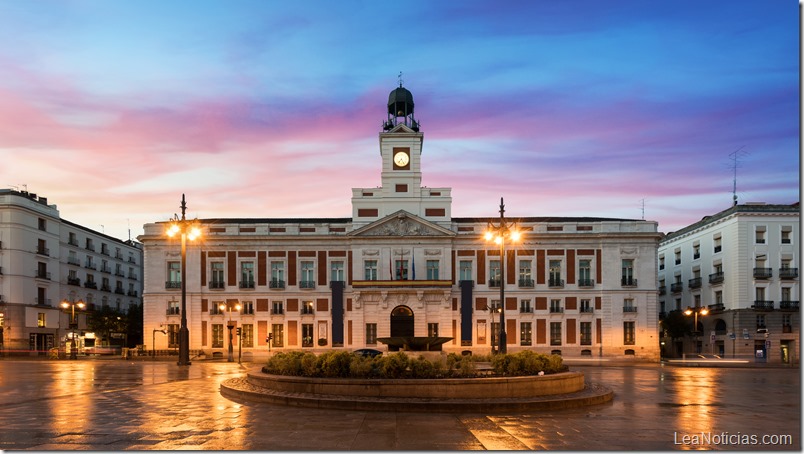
[(403, 265)]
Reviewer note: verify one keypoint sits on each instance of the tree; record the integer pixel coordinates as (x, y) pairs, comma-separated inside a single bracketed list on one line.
[(676, 325), (134, 319), (106, 321)]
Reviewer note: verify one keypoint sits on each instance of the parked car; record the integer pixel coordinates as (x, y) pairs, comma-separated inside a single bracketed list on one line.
[(367, 352)]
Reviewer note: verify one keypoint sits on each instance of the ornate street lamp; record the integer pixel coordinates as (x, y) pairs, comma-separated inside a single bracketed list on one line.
[(230, 325), (499, 234), (188, 230), (695, 311), (73, 325)]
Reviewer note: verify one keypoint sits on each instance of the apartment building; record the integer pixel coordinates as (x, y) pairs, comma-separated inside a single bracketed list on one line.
[(45, 261), (736, 273)]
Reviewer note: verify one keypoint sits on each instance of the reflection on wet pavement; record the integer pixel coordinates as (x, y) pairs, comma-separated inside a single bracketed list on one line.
[(115, 405)]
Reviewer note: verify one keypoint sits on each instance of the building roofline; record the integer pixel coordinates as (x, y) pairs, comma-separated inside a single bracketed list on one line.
[(129, 243), (742, 208)]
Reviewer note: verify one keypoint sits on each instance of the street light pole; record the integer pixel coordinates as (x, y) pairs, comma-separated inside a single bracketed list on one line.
[(698, 310), (230, 326), (498, 234), (186, 229), (73, 325)]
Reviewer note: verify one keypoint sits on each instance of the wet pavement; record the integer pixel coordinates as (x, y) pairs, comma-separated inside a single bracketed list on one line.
[(134, 405)]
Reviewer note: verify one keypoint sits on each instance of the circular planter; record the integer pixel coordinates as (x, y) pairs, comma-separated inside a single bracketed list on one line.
[(555, 391)]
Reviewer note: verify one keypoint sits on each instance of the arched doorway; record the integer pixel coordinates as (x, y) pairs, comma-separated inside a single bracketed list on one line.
[(402, 322)]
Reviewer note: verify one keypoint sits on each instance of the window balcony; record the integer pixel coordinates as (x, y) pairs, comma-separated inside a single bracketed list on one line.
[(119, 291), (172, 284), (631, 309), (587, 283), (719, 307), (788, 273), (556, 309), (43, 251), (788, 305), (716, 278), (217, 285), (628, 282), (526, 283), (105, 288), (495, 283), (762, 305), (276, 283), (555, 283), (132, 293), (695, 282), (106, 269), (73, 261), (306, 310), (676, 287), (91, 284), (91, 266), (306, 284), (277, 311), (90, 247), (662, 290), (42, 275), (587, 309), (525, 310), (763, 273), (173, 311), (247, 311), (74, 281), (246, 284), (72, 242), (132, 276)]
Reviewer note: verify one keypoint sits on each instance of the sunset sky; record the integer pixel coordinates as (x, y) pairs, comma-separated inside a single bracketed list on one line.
[(113, 109)]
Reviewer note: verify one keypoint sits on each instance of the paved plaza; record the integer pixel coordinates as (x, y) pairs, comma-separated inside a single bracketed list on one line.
[(112, 404)]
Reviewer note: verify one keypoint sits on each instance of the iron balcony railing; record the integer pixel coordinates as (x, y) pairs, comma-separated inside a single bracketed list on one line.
[(556, 309), (246, 284), (587, 309), (676, 287), (494, 283), (526, 283), (763, 305), (788, 273), (73, 281), (716, 278), (172, 284), (555, 282), (306, 284), (695, 282), (763, 273), (586, 283), (629, 309), (217, 284), (276, 283), (788, 305)]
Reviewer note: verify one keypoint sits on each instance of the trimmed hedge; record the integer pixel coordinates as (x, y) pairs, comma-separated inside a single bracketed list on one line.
[(344, 364)]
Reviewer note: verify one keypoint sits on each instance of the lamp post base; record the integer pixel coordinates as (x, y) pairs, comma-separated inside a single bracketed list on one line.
[(184, 346)]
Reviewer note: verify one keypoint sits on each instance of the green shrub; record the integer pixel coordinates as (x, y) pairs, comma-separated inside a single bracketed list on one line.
[(335, 364), (393, 366)]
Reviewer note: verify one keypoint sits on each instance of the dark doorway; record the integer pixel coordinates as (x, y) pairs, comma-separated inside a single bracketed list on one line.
[(401, 322)]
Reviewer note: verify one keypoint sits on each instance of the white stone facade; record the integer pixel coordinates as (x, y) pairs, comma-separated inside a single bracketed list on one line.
[(45, 260), (742, 265), (403, 265)]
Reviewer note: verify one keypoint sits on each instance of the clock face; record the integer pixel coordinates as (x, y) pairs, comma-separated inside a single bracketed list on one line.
[(401, 159)]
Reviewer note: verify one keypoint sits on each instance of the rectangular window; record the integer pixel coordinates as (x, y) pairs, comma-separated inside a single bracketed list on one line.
[(277, 275), (173, 335), (173, 307), (247, 335), (432, 330), (525, 334), (466, 270), (525, 307), (555, 333), (217, 335), (215, 308), (336, 271), (307, 334), (525, 273), (306, 308), (277, 308), (628, 305), (370, 270), (629, 333), (371, 334), (247, 308), (760, 235), (247, 275), (696, 251), (786, 234), (555, 274), (218, 280), (401, 269), (40, 320), (555, 306), (494, 273), (718, 244), (661, 262), (586, 333), (586, 306), (628, 272), (432, 270), (307, 274), (585, 273), (278, 332), (174, 275), (677, 253)]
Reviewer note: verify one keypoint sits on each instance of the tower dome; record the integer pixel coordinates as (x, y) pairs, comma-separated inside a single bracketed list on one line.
[(400, 109)]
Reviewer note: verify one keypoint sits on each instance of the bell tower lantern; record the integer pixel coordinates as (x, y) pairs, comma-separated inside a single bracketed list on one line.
[(400, 109)]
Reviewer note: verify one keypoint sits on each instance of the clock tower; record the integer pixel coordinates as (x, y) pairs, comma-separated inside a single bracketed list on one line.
[(401, 150)]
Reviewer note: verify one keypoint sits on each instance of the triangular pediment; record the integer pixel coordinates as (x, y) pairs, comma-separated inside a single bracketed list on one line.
[(401, 127), (402, 223)]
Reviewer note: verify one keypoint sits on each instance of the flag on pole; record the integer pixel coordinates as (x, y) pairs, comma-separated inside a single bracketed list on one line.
[(391, 265), (413, 265)]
